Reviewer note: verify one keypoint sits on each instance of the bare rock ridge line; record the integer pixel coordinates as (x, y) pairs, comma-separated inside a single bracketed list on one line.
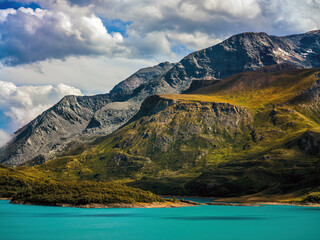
[(79, 119)]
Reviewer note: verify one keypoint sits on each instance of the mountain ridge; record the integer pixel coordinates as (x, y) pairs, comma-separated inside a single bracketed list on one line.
[(242, 52)]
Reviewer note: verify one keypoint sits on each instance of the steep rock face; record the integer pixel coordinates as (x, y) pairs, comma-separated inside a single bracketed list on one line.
[(242, 52), (308, 142), (126, 88), (218, 117), (126, 99), (111, 116), (46, 134)]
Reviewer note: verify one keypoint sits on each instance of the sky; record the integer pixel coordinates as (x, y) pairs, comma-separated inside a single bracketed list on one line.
[(52, 48)]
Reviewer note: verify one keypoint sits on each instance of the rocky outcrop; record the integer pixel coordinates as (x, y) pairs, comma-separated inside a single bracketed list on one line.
[(308, 142), (127, 88), (110, 117), (310, 94)]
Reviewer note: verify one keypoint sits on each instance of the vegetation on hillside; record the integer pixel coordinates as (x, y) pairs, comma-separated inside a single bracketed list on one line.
[(313, 197), (83, 192), (25, 189), (13, 181), (255, 89)]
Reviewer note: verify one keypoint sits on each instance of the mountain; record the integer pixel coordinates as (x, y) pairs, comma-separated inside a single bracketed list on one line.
[(245, 52), (239, 53), (252, 133), (74, 120)]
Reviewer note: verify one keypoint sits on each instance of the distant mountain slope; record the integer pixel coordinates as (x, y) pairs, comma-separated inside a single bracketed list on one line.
[(242, 52)]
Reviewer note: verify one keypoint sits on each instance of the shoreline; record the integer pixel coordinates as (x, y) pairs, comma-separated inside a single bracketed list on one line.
[(5, 199), (260, 204), (288, 200), (166, 204), (169, 204), (187, 196), (174, 204), (290, 204)]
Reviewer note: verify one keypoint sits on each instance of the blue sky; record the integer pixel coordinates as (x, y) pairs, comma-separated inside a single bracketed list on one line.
[(116, 25), (89, 46), (4, 120), (16, 5)]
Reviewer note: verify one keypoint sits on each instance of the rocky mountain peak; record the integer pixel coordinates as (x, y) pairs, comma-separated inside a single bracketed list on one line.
[(125, 89), (244, 52)]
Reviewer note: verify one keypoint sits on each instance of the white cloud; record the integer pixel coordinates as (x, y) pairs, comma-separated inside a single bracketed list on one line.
[(4, 137), (23, 103), (196, 40), (5, 12), (238, 8), (91, 75), (153, 45), (33, 35), (292, 15)]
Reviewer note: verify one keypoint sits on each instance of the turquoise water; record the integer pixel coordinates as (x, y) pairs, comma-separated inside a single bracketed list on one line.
[(201, 222)]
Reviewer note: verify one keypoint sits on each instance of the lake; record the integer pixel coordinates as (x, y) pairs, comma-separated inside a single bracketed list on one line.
[(201, 222)]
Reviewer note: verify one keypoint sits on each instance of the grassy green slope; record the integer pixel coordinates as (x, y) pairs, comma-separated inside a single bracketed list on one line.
[(251, 133), (29, 187), (255, 89)]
